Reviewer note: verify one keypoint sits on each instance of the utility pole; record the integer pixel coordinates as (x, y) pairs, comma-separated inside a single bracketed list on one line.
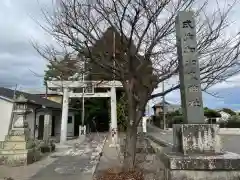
[(163, 99), (114, 63), (83, 91), (83, 74)]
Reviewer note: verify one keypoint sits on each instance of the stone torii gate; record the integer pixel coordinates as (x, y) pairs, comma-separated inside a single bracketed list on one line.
[(67, 88)]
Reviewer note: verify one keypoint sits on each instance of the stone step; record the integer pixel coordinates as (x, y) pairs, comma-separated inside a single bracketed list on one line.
[(11, 145), (16, 138)]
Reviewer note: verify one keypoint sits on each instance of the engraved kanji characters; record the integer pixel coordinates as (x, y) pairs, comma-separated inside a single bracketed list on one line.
[(187, 24), (189, 49), (190, 62), (193, 88), (194, 103), (188, 36), (194, 62)]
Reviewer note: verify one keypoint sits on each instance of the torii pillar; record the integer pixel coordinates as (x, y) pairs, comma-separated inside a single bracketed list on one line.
[(63, 135), (113, 126)]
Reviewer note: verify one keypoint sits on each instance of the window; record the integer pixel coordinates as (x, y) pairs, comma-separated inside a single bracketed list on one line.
[(69, 119)]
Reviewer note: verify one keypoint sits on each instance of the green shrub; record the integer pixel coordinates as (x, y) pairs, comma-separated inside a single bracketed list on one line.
[(229, 111), (175, 120), (210, 113), (233, 122)]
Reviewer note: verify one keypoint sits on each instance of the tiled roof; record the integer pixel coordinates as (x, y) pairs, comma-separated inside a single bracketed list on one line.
[(36, 99)]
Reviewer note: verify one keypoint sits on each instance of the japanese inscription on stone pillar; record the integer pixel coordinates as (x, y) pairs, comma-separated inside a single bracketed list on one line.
[(189, 72)]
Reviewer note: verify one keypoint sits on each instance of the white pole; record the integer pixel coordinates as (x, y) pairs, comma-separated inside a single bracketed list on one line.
[(63, 136), (83, 91), (114, 132), (82, 128), (164, 117)]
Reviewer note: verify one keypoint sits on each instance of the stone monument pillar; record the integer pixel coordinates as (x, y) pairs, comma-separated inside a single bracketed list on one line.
[(197, 152), (194, 135)]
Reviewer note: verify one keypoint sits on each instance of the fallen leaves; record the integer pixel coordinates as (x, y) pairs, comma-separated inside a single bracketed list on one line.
[(118, 174)]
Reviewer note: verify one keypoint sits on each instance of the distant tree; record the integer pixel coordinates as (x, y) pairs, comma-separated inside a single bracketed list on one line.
[(234, 118), (174, 117), (94, 107), (170, 115), (229, 111), (232, 122), (205, 108), (210, 113), (61, 68), (175, 120)]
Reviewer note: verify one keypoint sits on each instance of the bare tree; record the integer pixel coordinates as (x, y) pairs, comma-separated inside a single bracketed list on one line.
[(134, 41)]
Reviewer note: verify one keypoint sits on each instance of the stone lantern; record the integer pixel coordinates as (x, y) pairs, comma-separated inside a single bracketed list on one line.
[(20, 112), (18, 148)]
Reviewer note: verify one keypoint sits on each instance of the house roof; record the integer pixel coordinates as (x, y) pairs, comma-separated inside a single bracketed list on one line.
[(32, 98), (40, 91), (161, 104)]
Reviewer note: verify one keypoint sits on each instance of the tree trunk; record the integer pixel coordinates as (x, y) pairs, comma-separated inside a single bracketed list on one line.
[(135, 113), (130, 148)]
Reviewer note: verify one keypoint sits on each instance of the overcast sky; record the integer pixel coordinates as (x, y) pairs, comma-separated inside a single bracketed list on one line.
[(21, 65)]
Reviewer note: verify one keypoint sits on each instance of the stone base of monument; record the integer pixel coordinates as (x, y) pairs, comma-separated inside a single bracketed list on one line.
[(197, 155), (18, 149), (197, 138), (201, 167)]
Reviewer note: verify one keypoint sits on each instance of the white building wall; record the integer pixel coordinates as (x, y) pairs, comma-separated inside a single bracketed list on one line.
[(57, 128), (57, 125), (37, 119), (70, 128), (30, 120), (6, 108)]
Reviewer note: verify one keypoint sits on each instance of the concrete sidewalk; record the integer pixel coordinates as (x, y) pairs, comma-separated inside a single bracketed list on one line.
[(77, 160), (111, 158)]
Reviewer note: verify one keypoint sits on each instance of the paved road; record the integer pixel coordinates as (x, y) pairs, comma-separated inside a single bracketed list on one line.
[(77, 162), (230, 142)]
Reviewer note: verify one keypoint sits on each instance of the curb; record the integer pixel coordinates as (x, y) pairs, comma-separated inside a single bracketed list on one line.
[(98, 157), (159, 142)]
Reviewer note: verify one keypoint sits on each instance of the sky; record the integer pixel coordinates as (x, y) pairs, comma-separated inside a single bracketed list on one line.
[(21, 65)]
